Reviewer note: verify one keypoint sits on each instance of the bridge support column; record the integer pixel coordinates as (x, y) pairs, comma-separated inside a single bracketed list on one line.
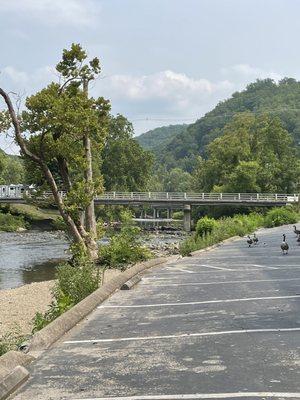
[(187, 217)]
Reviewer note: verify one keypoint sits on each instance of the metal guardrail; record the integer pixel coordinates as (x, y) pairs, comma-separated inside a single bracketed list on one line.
[(174, 196), (194, 197)]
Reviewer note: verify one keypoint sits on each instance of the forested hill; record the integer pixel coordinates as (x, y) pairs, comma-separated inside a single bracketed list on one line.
[(11, 169), (153, 140), (263, 96)]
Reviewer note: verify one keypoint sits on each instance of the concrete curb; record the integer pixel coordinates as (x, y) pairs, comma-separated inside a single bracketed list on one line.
[(131, 282), (214, 246), (52, 332), (12, 359), (12, 381), (12, 372)]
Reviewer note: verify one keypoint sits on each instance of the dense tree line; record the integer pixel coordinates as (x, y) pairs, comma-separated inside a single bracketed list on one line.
[(280, 99), (254, 154), (157, 138), (11, 169)]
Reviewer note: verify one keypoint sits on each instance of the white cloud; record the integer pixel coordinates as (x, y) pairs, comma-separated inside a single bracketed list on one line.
[(18, 77), (247, 71), (162, 98), (27, 82), (169, 86), (54, 12)]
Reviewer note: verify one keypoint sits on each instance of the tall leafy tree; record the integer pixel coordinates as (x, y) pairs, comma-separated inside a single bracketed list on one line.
[(254, 154), (126, 166), (63, 125)]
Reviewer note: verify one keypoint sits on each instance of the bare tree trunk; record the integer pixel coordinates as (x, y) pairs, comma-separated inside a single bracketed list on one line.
[(63, 169), (90, 210)]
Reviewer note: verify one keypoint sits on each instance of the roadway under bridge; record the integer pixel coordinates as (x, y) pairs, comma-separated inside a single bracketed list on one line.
[(167, 200)]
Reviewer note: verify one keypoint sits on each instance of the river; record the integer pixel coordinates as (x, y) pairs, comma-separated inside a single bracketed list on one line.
[(31, 256)]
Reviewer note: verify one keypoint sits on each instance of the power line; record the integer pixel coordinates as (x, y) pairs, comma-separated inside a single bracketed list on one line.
[(154, 119), (163, 119)]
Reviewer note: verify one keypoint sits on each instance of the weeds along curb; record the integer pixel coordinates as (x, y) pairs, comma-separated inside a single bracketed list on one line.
[(44, 338), (12, 372), (199, 252)]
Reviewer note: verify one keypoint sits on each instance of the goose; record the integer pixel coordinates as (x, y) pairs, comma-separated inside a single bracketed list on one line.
[(298, 238), (296, 231), (255, 239), (284, 246), (249, 241)]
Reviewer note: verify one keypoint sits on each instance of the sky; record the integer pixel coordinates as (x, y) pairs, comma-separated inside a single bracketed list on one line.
[(163, 61)]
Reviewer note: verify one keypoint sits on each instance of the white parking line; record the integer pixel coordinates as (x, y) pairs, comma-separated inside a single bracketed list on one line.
[(180, 269), (146, 282), (263, 266), (183, 335), (213, 267), (199, 302), (195, 396), (279, 268)]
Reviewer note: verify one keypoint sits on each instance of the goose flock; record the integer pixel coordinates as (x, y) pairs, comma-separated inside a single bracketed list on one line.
[(284, 245)]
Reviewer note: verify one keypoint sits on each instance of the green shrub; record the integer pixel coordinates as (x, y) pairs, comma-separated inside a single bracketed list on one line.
[(280, 216), (205, 225), (124, 247), (210, 231), (178, 215), (74, 283), (11, 223), (59, 224)]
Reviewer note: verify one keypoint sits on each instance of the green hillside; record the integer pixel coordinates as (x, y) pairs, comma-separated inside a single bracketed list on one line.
[(153, 140), (11, 169), (263, 96)]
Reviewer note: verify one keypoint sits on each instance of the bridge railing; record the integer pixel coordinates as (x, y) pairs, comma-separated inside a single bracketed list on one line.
[(172, 196), (178, 196)]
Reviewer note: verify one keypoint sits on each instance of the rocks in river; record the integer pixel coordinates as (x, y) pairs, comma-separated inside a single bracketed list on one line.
[(21, 229), (161, 246)]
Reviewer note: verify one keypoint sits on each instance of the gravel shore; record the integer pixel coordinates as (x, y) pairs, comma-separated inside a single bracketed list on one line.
[(18, 306)]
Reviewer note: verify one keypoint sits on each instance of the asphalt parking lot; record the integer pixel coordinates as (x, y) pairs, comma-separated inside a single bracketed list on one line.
[(222, 325)]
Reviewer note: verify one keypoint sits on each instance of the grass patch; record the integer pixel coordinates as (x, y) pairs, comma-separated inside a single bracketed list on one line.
[(11, 341), (33, 213), (16, 216)]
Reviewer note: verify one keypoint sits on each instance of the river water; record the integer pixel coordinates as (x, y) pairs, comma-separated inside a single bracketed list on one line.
[(31, 256)]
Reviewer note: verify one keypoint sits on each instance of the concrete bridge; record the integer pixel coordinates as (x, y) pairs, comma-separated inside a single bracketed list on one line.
[(166, 200), (173, 200), (196, 199)]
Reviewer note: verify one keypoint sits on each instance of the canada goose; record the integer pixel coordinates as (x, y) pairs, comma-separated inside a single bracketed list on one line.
[(284, 246), (255, 239), (298, 238), (249, 241), (296, 231)]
